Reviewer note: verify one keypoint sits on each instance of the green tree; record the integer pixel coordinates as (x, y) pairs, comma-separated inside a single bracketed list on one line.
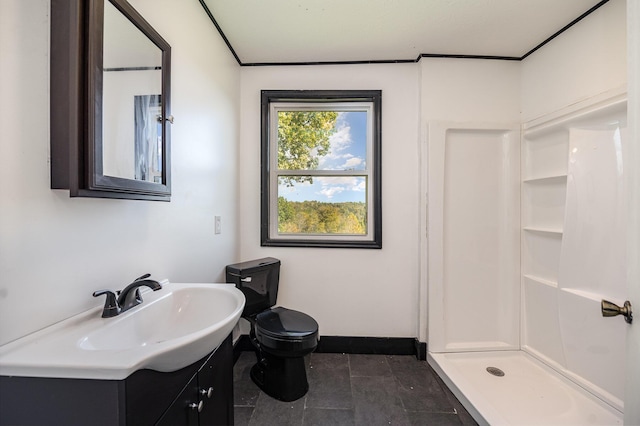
[(303, 137), (314, 217), (285, 211), (352, 225)]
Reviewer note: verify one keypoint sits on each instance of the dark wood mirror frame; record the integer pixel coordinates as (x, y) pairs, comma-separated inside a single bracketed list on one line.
[(76, 103)]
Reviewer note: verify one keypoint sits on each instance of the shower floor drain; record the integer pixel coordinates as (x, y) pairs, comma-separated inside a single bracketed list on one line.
[(495, 371)]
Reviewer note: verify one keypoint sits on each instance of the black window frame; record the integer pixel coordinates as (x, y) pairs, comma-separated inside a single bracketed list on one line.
[(374, 225)]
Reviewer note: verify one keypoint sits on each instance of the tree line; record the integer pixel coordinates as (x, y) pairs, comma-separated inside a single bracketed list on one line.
[(317, 217)]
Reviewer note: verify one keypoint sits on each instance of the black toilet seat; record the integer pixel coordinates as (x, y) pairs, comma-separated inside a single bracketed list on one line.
[(286, 332)]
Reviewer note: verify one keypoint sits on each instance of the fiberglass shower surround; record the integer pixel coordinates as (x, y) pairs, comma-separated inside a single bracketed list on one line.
[(533, 238)]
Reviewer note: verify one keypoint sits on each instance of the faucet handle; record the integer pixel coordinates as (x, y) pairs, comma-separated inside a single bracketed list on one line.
[(111, 307), (144, 277)]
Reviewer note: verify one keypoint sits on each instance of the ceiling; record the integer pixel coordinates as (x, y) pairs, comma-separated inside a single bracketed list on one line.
[(310, 31)]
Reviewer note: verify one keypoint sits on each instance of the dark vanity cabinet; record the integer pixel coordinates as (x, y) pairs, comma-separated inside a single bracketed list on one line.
[(199, 394), (208, 397)]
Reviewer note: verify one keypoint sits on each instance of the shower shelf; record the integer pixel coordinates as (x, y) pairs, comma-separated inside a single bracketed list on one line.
[(557, 231), (541, 179), (540, 280)]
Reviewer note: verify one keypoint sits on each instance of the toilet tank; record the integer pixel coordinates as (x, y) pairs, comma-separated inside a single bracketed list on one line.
[(258, 280)]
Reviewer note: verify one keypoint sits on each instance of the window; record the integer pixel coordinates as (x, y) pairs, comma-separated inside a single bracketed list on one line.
[(321, 169)]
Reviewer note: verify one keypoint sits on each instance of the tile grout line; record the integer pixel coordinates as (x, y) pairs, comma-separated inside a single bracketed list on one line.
[(353, 400)]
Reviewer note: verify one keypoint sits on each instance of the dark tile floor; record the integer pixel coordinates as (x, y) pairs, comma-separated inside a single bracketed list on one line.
[(352, 390)]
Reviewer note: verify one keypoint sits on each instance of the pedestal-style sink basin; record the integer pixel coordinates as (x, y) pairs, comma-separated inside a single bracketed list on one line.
[(172, 328)]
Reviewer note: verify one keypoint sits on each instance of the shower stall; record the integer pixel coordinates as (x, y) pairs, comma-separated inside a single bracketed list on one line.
[(526, 237)]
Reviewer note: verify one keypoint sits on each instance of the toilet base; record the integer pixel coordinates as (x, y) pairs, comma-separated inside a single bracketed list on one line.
[(284, 379)]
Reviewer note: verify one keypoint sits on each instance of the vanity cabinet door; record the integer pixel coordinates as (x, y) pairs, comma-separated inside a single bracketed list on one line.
[(149, 393), (215, 381), (208, 398), (184, 410)]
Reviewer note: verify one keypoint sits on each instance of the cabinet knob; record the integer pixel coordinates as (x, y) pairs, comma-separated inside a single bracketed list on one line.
[(207, 392), (199, 406)]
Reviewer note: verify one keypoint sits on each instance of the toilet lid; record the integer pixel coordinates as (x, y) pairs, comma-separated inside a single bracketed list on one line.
[(286, 323)]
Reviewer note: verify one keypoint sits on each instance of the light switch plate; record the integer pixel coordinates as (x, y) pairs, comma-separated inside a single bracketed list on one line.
[(218, 225)]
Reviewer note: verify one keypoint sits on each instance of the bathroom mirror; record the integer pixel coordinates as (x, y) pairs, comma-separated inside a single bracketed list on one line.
[(110, 102)]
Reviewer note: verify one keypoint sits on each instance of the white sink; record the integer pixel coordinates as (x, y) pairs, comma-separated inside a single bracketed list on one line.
[(173, 327)]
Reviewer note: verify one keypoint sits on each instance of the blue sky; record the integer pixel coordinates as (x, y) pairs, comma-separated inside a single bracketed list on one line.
[(348, 152)]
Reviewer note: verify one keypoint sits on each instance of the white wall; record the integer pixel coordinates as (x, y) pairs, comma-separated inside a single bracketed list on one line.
[(54, 250), (470, 90), (586, 60), (370, 292), (350, 292)]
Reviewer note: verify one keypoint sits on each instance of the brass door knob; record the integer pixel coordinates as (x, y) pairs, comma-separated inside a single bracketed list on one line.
[(610, 309)]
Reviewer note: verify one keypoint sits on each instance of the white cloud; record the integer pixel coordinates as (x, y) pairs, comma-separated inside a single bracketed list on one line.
[(361, 187), (341, 155), (330, 191), (341, 139), (335, 185), (352, 163), (347, 181)]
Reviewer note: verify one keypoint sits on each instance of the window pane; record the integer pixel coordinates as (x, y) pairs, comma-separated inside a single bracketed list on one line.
[(322, 205), (322, 140)]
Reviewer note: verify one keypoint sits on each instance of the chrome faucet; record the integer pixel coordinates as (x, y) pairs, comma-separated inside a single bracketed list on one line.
[(122, 301)]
